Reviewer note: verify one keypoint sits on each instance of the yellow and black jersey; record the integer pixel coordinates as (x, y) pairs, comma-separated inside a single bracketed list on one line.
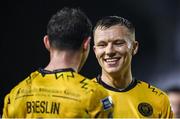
[(57, 94), (138, 100)]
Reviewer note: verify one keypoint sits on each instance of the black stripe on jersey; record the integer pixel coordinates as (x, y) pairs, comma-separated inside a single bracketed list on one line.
[(62, 75), (70, 76), (131, 85), (84, 84), (153, 89), (58, 76)]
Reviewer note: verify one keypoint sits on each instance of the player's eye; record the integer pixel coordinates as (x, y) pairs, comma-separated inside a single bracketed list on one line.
[(101, 45), (119, 43)]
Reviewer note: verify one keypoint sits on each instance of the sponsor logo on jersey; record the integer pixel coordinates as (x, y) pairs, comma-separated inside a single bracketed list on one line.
[(107, 103), (145, 109)]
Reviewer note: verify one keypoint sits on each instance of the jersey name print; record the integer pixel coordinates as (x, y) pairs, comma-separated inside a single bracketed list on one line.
[(42, 107)]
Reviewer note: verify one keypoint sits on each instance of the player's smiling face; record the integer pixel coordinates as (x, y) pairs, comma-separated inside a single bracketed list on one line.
[(113, 48)]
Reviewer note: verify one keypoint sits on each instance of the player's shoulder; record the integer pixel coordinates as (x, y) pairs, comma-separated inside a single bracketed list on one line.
[(82, 79), (24, 83), (95, 82), (151, 88), (90, 84)]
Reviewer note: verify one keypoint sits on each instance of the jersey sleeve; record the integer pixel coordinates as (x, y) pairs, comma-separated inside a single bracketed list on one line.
[(7, 103), (166, 108), (100, 104)]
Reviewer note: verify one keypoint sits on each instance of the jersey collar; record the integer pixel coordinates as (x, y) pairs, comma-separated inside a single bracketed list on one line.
[(43, 71), (130, 86)]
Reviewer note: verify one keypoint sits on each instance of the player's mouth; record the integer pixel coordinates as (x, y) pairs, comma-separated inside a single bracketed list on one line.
[(112, 61)]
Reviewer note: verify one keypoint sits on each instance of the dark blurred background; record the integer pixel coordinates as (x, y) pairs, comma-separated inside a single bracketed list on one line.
[(157, 22)]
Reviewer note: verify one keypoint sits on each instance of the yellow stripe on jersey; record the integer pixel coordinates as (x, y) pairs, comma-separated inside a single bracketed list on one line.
[(139, 100), (57, 94)]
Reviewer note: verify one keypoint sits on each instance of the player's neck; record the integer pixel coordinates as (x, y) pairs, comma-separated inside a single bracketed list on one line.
[(120, 81), (62, 60)]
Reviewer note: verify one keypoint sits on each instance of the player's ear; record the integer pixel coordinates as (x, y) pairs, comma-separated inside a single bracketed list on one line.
[(135, 47), (94, 49), (46, 42), (86, 43)]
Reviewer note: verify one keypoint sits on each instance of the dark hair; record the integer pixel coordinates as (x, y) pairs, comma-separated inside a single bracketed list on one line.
[(68, 28), (109, 21)]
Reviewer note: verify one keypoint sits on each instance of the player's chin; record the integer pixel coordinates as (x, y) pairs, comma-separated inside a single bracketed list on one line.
[(111, 70)]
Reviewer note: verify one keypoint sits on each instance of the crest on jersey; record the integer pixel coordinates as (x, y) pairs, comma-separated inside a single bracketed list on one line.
[(145, 109), (107, 103)]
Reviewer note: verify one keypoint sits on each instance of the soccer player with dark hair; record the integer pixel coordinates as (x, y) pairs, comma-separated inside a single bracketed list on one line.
[(114, 47), (58, 91)]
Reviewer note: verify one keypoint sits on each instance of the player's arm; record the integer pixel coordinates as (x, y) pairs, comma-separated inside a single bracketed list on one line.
[(8, 109), (100, 104)]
